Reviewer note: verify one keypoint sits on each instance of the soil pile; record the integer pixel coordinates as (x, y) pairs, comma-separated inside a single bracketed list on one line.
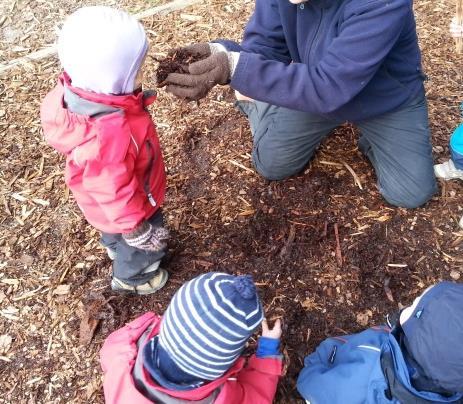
[(177, 61)]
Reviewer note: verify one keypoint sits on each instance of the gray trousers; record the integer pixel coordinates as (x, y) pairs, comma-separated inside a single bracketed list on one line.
[(131, 263), (397, 144)]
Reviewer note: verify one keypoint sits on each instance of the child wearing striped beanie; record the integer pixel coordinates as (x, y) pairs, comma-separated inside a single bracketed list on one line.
[(194, 352)]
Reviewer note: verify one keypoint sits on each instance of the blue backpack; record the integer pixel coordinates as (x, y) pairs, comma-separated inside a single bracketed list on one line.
[(363, 368)]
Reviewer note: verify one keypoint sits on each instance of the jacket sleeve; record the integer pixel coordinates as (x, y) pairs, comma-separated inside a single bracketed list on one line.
[(263, 34), (117, 357), (109, 177), (255, 384), (365, 38)]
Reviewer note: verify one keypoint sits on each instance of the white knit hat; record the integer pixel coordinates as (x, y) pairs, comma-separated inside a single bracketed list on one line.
[(102, 49)]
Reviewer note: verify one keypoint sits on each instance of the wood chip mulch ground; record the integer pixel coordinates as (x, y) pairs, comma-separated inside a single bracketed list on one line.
[(329, 255)]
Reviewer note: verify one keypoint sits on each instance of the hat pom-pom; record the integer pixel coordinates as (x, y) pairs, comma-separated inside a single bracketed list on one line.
[(245, 286)]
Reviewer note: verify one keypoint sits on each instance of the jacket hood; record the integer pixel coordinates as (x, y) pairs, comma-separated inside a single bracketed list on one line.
[(68, 113), (402, 373), (434, 335), (153, 389)]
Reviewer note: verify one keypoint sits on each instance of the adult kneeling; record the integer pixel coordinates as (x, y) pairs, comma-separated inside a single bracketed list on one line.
[(307, 67)]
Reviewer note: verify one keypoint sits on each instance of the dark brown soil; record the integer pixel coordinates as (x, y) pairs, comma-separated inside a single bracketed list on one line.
[(177, 61), (54, 275), (284, 236)]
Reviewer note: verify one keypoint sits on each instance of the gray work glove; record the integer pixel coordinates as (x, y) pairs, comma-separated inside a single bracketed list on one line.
[(147, 237), (215, 69)]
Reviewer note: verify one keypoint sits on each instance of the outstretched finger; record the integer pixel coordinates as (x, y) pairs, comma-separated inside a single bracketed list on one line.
[(202, 66), (185, 80), (202, 49), (187, 93), (264, 326)]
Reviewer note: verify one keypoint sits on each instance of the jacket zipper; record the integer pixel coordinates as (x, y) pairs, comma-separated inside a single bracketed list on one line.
[(314, 40), (146, 186)]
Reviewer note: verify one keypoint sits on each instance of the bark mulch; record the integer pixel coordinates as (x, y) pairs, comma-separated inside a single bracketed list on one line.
[(328, 254)]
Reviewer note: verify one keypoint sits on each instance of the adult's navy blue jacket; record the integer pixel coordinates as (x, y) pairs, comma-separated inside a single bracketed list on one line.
[(343, 59)]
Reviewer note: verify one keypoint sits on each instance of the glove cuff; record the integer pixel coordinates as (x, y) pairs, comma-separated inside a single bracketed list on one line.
[(216, 48), (233, 58)]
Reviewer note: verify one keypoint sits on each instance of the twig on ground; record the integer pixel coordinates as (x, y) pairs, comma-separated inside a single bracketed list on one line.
[(338, 245), (287, 247), (235, 163), (459, 21), (325, 230), (388, 290), (356, 177)]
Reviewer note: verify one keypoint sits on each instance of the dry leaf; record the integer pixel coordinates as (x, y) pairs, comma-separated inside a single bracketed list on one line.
[(383, 218), (62, 290), (364, 318), (5, 343), (90, 319), (388, 290), (12, 282), (92, 388), (27, 259), (248, 212), (455, 275), (309, 304)]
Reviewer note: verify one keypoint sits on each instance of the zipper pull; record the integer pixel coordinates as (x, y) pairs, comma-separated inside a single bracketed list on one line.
[(151, 199), (333, 354)]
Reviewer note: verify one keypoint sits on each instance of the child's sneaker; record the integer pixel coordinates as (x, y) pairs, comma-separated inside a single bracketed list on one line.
[(153, 285), (448, 171)]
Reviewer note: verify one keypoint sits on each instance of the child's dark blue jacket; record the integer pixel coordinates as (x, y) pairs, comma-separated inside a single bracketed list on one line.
[(364, 368), (343, 59)]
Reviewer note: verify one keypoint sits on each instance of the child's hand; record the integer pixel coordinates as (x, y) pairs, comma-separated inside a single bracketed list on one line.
[(274, 332), (456, 30), (268, 344)]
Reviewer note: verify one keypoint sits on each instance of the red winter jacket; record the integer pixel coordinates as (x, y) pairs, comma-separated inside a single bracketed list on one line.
[(254, 383), (114, 165)]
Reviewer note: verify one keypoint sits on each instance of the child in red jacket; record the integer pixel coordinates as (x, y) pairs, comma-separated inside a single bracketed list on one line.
[(193, 353), (96, 116)]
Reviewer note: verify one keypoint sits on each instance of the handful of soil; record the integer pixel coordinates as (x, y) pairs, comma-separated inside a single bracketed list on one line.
[(177, 61)]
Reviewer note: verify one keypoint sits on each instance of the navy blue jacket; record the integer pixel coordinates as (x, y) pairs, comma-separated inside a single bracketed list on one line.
[(343, 59), (364, 368)]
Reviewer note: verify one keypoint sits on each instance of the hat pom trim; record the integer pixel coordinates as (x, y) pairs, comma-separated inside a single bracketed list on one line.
[(244, 285)]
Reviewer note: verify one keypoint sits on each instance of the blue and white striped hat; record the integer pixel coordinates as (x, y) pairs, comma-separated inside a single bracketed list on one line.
[(208, 323)]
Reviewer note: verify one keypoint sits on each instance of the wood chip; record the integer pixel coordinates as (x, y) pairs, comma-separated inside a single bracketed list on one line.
[(285, 251), (61, 290), (356, 177), (338, 245), (455, 275), (387, 289)]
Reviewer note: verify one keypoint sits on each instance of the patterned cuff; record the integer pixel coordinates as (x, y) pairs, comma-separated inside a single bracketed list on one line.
[(140, 235)]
